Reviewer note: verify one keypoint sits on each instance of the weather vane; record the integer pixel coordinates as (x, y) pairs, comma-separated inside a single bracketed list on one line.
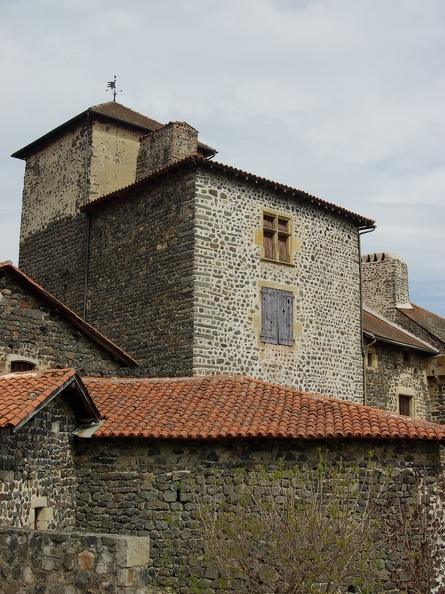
[(112, 87)]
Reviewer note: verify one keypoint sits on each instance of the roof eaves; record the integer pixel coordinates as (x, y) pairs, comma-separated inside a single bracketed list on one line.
[(72, 381), (51, 396), (24, 152), (428, 348), (406, 345), (32, 146), (363, 222)]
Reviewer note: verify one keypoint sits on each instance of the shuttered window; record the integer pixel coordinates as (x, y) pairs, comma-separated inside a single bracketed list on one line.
[(277, 316)]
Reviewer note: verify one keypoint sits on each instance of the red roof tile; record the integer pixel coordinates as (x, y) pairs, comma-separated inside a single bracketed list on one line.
[(233, 406), (24, 393)]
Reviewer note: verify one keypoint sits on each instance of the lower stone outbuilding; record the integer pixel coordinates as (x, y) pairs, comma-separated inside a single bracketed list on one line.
[(96, 459)]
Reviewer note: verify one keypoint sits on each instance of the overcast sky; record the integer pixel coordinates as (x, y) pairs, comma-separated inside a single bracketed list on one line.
[(343, 99)]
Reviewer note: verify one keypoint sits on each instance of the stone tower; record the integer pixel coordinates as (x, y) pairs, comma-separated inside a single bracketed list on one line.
[(92, 154)]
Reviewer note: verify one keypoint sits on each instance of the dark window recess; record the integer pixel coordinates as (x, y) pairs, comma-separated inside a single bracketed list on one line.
[(277, 316), (22, 366), (404, 405), (38, 515)]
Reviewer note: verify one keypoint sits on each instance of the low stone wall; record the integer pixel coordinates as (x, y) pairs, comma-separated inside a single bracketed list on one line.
[(46, 562), (139, 487)]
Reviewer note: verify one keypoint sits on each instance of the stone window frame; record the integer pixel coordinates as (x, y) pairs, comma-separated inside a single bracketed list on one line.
[(27, 361), (406, 400), (371, 359), (270, 251), (40, 515)]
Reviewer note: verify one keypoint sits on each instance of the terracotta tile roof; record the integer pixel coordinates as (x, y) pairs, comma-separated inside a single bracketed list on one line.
[(427, 320), (293, 193), (389, 332), (44, 297), (23, 394), (233, 406)]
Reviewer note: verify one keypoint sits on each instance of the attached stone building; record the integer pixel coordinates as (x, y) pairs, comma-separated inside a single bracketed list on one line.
[(396, 364), (414, 367), (39, 412), (38, 332), (194, 267)]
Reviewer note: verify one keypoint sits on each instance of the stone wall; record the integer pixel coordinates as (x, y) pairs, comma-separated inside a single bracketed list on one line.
[(323, 276), (91, 159), (55, 258), (140, 282), (391, 374), (67, 563), (31, 331), (165, 146), (136, 487), (113, 159), (436, 387), (38, 479), (55, 181)]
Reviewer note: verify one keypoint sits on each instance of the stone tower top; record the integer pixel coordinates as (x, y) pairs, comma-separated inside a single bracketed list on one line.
[(385, 283), (165, 146)]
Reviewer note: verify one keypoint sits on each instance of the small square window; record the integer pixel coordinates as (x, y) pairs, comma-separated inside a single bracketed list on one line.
[(276, 237), (277, 316)]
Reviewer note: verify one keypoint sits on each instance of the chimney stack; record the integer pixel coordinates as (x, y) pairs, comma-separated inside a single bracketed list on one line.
[(167, 145), (385, 283)]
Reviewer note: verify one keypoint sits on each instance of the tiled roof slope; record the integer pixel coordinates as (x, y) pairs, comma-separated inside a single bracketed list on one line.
[(388, 331), (44, 297), (117, 111), (111, 110), (432, 323), (233, 406), (23, 394), (194, 160)]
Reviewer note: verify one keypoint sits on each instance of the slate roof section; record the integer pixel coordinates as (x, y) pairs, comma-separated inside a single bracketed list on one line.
[(387, 331), (216, 407), (427, 320), (54, 304), (23, 394), (194, 161)]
